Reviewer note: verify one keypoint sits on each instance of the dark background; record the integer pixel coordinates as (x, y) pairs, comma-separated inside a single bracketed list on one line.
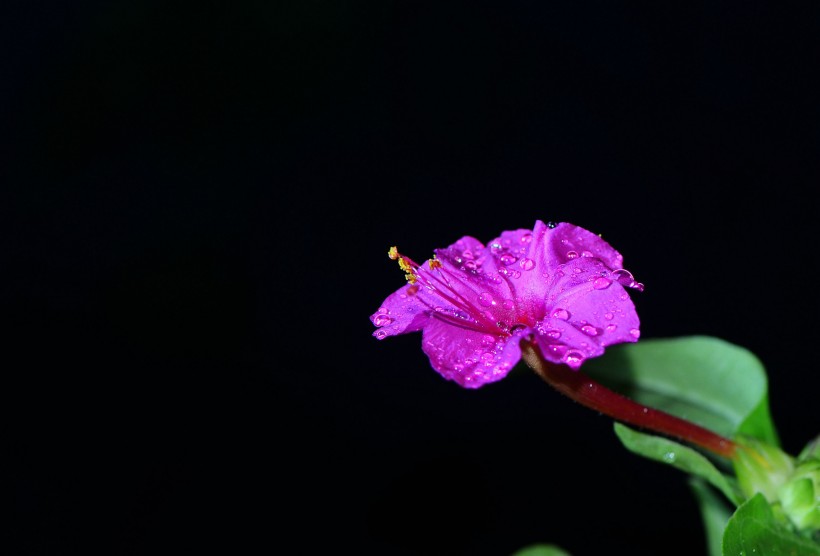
[(199, 200)]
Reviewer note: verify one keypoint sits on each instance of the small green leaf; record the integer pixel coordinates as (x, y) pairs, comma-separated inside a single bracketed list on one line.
[(754, 530), (705, 380), (541, 550), (677, 455), (715, 513)]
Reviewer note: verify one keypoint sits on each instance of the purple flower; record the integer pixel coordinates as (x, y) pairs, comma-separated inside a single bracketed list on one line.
[(558, 285)]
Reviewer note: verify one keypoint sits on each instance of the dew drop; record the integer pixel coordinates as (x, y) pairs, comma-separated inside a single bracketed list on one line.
[(586, 253), (562, 314), (601, 283), (551, 225), (526, 238), (487, 358), (380, 334), (382, 320), (486, 300), (669, 457), (625, 278), (516, 327), (471, 265), (577, 270), (611, 327), (487, 340), (507, 259), (574, 358), (503, 326), (508, 304), (527, 264), (554, 334), (557, 349), (572, 254), (589, 330), (609, 316), (467, 254), (635, 332)]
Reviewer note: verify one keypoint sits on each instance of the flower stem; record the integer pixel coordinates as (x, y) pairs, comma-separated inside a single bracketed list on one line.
[(594, 395)]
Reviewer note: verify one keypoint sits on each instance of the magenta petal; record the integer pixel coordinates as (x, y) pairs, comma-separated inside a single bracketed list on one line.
[(567, 241), (467, 357), (400, 313), (585, 312)]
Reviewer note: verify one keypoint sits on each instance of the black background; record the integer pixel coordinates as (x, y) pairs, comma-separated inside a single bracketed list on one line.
[(199, 202)]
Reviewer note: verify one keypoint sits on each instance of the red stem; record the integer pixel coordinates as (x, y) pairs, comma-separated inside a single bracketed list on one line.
[(594, 395)]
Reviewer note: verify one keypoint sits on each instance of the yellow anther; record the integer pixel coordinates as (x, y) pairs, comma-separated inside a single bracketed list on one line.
[(410, 278), (435, 263), (404, 265), (393, 253)]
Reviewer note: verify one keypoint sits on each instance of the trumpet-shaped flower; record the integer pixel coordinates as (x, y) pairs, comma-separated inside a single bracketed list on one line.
[(557, 285)]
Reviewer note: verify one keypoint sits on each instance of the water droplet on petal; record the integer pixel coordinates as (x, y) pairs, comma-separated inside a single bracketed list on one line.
[(625, 278), (601, 283), (380, 334), (487, 358), (503, 326), (507, 259), (508, 304), (487, 340), (382, 320), (526, 238), (471, 265), (611, 327), (527, 264), (609, 316), (486, 299), (562, 314), (557, 349), (554, 334), (467, 254), (669, 457), (551, 225), (574, 358), (635, 332), (571, 254), (586, 253), (589, 330)]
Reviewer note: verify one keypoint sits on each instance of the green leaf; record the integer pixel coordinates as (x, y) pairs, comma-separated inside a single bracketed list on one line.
[(677, 455), (541, 550), (715, 513), (753, 530), (705, 380)]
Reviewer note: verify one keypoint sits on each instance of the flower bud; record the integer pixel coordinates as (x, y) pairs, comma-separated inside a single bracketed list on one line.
[(800, 495), (761, 467)]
